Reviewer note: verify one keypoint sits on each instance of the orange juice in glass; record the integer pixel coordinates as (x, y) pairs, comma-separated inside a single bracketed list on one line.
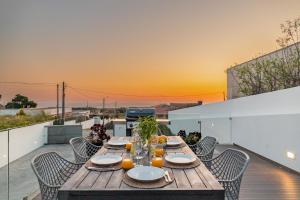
[(127, 163), (128, 146), (157, 162), (159, 152)]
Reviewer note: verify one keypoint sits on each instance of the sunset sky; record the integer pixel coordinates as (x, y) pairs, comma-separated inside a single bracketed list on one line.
[(133, 52)]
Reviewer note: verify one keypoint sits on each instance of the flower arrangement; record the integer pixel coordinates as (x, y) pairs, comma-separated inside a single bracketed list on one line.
[(98, 134), (147, 127)]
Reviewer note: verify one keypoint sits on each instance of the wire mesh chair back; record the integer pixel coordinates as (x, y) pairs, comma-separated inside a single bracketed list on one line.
[(207, 148), (228, 168), (52, 171), (83, 149), (204, 149)]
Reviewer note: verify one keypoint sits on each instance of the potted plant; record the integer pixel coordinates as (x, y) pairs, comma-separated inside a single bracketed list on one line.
[(193, 138), (98, 134), (147, 127)]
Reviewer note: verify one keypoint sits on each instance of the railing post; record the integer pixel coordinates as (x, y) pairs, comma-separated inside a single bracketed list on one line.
[(199, 122), (8, 190)]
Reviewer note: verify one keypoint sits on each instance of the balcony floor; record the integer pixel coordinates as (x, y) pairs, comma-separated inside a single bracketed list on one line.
[(263, 180)]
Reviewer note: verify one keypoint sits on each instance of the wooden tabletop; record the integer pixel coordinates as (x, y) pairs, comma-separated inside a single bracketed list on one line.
[(195, 183)]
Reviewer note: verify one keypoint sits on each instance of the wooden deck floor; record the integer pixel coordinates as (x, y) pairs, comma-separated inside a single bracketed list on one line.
[(265, 181)]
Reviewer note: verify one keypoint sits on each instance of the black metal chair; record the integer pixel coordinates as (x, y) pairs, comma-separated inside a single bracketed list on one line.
[(52, 172), (228, 168), (83, 149), (204, 149)]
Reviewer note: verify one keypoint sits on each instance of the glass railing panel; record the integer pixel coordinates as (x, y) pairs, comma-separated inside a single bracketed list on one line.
[(4, 165)]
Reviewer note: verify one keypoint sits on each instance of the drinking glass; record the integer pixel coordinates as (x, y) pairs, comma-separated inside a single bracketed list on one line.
[(139, 153)]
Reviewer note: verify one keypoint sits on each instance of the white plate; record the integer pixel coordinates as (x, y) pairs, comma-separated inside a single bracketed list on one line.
[(173, 143), (146, 173), (106, 159), (117, 142), (180, 158)]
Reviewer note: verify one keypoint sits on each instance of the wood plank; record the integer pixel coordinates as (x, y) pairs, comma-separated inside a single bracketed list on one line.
[(76, 179), (115, 180), (102, 180), (203, 179), (181, 178), (194, 179), (89, 180), (209, 177)]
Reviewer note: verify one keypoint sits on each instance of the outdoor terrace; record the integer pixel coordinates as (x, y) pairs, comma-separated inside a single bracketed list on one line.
[(263, 179)]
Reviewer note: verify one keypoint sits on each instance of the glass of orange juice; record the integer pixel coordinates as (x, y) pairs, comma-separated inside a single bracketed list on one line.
[(128, 146), (127, 163), (159, 151), (157, 162)]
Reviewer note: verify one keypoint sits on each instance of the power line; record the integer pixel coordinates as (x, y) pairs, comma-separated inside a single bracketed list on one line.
[(82, 94), (27, 83)]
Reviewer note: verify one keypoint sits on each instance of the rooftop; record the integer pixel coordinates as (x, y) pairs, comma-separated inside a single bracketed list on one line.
[(262, 180)]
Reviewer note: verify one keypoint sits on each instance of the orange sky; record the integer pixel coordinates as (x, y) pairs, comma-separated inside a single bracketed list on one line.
[(130, 51)]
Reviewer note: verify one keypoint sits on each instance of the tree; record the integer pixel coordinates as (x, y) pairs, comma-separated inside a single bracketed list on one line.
[(276, 72), (20, 101)]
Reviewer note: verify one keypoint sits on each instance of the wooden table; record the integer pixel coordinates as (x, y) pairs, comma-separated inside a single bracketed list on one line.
[(197, 183)]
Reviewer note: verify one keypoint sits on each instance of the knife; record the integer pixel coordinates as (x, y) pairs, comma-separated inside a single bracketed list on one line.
[(168, 176)]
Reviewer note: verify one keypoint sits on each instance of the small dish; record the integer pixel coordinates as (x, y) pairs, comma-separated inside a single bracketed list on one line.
[(146, 173), (117, 142), (173, 143), (180, 158), (106, 159)]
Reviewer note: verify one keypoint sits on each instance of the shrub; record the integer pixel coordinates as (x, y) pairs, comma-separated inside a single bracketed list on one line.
[(193, 138), (21, 113), (22, 120)]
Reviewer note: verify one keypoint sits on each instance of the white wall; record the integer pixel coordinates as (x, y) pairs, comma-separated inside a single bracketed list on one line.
[(22, 141), (217, 127), (87, 124), (26, 139), (271, 136), (268, 124), (71, 122), (3, 148)]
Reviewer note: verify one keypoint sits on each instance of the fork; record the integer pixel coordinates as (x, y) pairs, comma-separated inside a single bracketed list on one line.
[(167, 176)]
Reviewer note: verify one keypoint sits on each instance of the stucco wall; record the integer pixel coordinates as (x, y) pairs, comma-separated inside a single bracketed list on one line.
[(26, 139), (268, 124)]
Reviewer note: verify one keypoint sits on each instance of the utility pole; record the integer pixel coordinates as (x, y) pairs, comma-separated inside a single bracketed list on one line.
[(63, 102), (57, 102), (103, 106), (115, 109)]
